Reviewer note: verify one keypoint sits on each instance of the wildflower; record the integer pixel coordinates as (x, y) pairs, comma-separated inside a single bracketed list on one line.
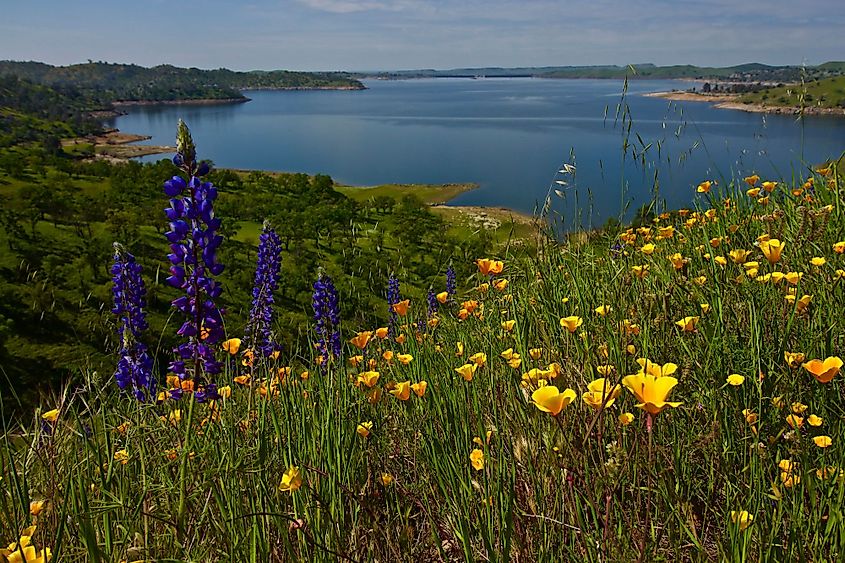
[(772, 250), (36, 506), (194, 241), (50, 416), (480, 359), (824, 371), (291, 480), (742, 518), (501, 285), (419, 388), (22, 551), (626, 418), (600, 393), (232, 346), (777, 402), (401, 308), (507, 326), (225, 392), (242, 379), (735, 379), (443, 297), (259, 323), (393, 297), (739, 256), (363, 429), (451, 285), (571, 323), (751, 180), (678, 261), (640, 271), (459, 348), (476, 458), (823, 441), (535, 353), (794, 421), (651, 391), (602, 310), (750, 416), (793, 277), (705, 308), (605, 370), (814, 420), (121, 456), (700, 280), (386, 479), (688, 324), (326, 307), (404, 359), (361, 339), (369, 378), (382, 332), (787, 473), (507, 354), (134, 368), (753, 192), (793, 359), (648, 249), (839, 247), (826, 472), (467, 371), (704, 187), (551, 400), (489, 267), (402, 391), (769, 186), (818, 261)]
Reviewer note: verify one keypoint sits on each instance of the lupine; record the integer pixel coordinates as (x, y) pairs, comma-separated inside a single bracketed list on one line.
[(135, 367), (431, 300), (258, 335), (393, 297), (451, 285), (326, 318), (193, 244)]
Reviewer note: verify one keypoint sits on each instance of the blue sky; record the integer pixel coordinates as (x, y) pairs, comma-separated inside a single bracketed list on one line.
[(403, 34)]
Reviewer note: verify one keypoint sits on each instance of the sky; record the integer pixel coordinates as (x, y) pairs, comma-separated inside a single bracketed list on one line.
[(414, 34)]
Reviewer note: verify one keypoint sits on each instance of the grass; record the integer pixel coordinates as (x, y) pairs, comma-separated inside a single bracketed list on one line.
[(470, 468), (825, 93), (430, 194)]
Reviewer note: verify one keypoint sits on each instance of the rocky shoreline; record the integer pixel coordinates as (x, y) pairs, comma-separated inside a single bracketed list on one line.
[(731, 101)]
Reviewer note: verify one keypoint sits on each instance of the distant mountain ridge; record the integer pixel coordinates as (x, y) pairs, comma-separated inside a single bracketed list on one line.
[(106, 83), (742, 72)]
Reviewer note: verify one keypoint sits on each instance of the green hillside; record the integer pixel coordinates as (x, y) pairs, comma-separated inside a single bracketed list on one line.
[(825, 93)]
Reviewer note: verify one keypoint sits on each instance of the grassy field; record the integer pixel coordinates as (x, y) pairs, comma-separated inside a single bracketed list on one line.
[(672, 393), (826, 93)]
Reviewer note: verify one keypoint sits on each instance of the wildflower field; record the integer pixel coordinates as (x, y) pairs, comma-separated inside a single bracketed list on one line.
[(670, 392)]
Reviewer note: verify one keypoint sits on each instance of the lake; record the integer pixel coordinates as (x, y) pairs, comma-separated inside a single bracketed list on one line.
[(508, 135)]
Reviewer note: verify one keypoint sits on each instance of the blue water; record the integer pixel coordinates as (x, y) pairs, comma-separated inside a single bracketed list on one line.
[(508, 135)]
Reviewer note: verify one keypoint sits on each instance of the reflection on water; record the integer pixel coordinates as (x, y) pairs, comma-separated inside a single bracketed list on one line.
[(508, 135)]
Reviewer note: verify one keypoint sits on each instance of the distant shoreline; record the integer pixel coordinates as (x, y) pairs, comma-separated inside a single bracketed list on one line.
[(731, 101)]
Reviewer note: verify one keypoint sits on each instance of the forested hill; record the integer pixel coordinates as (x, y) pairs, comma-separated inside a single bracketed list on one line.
[(106, 83)]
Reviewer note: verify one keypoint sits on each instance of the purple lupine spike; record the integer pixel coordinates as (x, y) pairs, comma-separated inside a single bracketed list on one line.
[(393, 297), (258, 334), (193, 257), (326, 318), (451, 284), (431, 300), (134, 371)]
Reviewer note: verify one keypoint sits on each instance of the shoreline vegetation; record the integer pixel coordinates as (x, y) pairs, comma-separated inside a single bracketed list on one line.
[(734, 102)]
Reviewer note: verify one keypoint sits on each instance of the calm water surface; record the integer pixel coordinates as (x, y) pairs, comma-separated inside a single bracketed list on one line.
[(508, 135)]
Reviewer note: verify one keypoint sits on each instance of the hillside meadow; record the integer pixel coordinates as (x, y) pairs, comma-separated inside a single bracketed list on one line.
[(667, 392)]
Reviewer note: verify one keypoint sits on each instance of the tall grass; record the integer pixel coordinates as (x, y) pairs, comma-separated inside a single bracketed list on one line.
[(200, 482)]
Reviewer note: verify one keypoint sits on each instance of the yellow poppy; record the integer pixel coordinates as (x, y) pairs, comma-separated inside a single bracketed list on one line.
[(772, 250), (404, 359), (655, 369), (794, 421), (291, 480), (742, 518), (571, 323), (651, 391), (678, 261), (479, 359), (535, 353), (818, 261), (687, 324), (368, 378), (793, 359), (50, 416), (443, 296), (382, 332), (648, 249), (364, 429), (751, 180), (839, 247), (814, 420), (626, 418), (476, 458), (705, 308), (36, 506), (489, 267), (602, 310), (601, 393), (121, 456), (823, 441), (361, 339), (501, 285), (507, 326), (232, 345), (735, 379), (402, 391), (769, 186), (750, 416), (419, 388), (386, 479), (704, 187), (549, 399), (739, 256), (242, 379), (824, 371), (401, 308)]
